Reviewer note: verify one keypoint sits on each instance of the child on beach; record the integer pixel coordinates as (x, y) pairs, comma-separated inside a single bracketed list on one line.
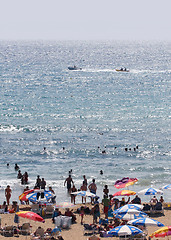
[(82, 214)]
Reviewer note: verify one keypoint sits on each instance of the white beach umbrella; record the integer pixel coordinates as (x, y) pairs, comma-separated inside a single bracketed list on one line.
[(145, 222), (150, 191)]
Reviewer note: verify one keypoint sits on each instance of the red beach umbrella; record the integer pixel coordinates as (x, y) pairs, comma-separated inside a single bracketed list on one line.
[(30, 215), (22, 197)]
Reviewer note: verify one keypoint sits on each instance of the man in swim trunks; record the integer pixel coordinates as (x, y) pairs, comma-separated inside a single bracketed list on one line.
[(93, 188), (69, 180)]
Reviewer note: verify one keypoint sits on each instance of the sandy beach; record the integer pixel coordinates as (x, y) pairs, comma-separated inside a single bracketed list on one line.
[(76, 230)]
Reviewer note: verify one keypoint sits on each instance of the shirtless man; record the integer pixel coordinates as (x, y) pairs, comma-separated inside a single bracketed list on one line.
[(92, 187), (8, 194), (68, 180)]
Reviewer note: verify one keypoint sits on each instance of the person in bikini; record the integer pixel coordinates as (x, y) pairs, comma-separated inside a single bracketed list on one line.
[(8, 192)]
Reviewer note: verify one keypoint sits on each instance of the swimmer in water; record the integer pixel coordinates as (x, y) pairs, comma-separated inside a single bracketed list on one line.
[(16, 167)]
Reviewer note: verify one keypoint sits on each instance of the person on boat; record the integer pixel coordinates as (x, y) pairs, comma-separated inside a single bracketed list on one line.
[(125, 69), (121, 69)]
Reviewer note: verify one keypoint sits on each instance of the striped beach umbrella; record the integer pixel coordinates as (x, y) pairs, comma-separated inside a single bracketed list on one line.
[(130, 215), (150, 191), (162, 232), (125, 182), (168, 187), (85, 194), (146, 222), (125, 208), (125, 230)]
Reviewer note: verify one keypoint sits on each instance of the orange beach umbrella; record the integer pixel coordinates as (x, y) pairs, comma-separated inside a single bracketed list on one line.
[(124, 193)]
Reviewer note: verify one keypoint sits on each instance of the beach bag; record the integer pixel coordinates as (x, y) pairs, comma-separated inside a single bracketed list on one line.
[(58, 221), (66, 222)]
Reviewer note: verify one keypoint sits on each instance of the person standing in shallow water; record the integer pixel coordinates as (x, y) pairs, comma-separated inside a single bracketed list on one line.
[(93, 188), (69, 180), (8, 194)]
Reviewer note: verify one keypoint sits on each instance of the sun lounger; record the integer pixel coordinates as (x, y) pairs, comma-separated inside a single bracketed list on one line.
[(25, 229), (35, 208), (49, 210), (8, 231)]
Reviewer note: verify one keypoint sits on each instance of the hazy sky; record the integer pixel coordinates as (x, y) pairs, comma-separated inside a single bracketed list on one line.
[(85, 19)]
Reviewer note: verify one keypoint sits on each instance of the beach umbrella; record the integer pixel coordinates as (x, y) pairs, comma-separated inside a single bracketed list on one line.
[(34, 196), (65, 205), (125, 230), (124, 193), (168, 187), (22, 197), (30, 215), (131, 215), (127, 207), (162, 232), (150, 191), (85, 194), (145, 221), (125, 182)]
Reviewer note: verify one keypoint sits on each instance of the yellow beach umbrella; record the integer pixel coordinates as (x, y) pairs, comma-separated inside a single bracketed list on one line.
[(161, 232)]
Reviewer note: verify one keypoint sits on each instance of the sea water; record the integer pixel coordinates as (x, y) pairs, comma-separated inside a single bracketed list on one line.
[(79, 114)]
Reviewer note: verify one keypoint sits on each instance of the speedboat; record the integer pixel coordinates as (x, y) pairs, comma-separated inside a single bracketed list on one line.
[(74, 68), (122, 70)]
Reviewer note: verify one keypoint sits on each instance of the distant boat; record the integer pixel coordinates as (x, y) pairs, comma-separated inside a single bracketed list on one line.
[(122, 70), (74, 68)]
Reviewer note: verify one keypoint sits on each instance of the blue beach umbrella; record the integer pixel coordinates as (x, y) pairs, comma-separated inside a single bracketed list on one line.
[(130, 216), (150, 191), (129, 207), (34, 197), (168, 187), (85, 194), (125, 230), (145, 222)]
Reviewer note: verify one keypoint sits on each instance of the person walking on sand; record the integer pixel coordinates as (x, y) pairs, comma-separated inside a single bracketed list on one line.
[(8, 194), (69, 180)]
